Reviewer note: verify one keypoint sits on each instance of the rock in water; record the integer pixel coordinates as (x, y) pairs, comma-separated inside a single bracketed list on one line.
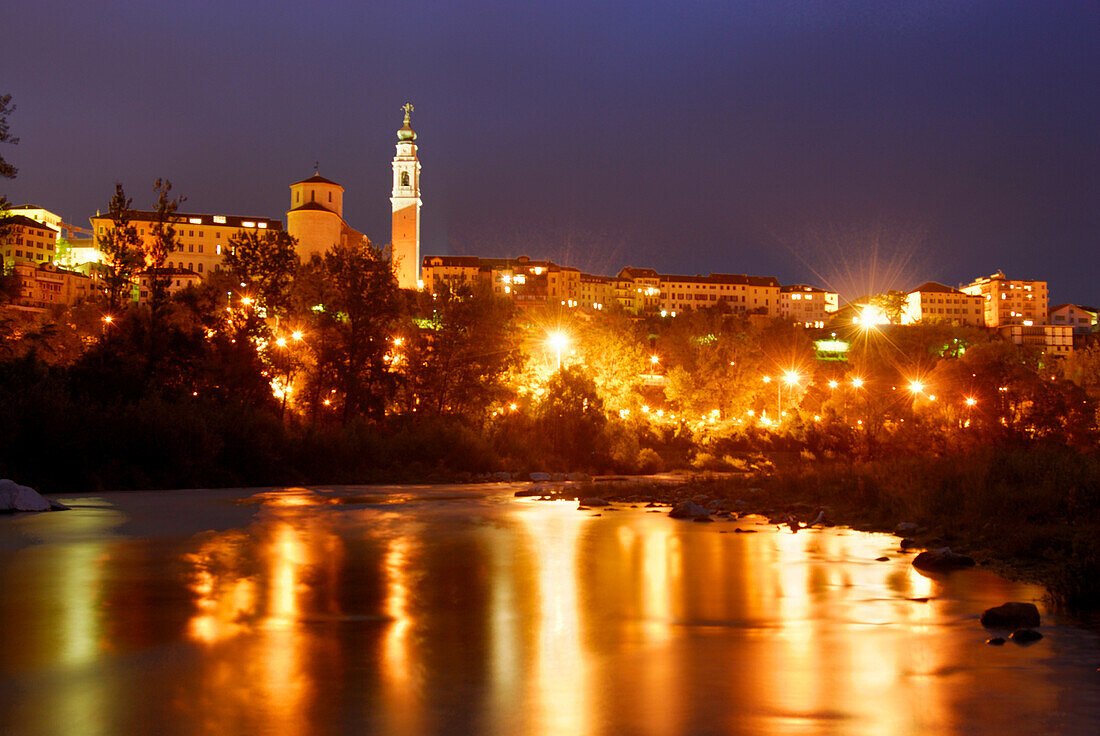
[(1025, 636), (942, 559), (14, 497), (997, 641), (540, 477), (1011, 616), (594, 501), (688, 510)]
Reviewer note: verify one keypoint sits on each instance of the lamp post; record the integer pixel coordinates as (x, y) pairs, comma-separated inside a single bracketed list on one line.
[(558, 340)]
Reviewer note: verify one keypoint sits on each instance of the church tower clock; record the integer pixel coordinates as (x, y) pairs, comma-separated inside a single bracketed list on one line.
[(405, 239)]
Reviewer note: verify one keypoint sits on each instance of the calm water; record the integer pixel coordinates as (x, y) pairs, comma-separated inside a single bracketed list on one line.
[(465, 611)]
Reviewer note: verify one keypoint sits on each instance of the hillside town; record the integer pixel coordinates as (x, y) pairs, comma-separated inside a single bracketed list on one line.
[(57, 263)]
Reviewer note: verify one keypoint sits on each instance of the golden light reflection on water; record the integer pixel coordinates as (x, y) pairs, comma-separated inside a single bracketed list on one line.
[(523, 618), (559, 690)]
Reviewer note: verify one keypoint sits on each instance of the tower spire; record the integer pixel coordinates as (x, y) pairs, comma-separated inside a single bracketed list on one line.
[(405, 240)]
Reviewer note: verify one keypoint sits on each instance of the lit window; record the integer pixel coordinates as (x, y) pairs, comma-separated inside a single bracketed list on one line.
[(248, 224), (195, 220), (261, 224), (219, 219)]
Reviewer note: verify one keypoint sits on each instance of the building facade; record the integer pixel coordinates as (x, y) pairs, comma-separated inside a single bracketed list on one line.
[(808, 306), (934, 302), (202, 240), (1055, 340), (1009, 302), (1082, 319), (740, 293), (26, 239), (44, 285)]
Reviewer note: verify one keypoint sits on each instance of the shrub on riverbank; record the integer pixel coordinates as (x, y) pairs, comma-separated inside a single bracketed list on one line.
[(1033, 507)]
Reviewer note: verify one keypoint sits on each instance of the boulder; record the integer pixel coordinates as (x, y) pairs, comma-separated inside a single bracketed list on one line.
[(997, 641), (688, 510), (905, 528), (14, 497), (882, 559), (559, 477), (940, 560), (594, 501), (501, 477), (580, 477), (1025, 636), (1011, 616), (540, 477)]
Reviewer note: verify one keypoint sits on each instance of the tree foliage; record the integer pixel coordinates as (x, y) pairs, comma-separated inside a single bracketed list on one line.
[(121, 248), (456, 362), (262, 264)]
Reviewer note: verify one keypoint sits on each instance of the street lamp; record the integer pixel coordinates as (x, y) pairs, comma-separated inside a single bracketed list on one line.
[(558, 340)]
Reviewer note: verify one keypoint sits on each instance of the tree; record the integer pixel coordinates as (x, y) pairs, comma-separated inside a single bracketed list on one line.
[(121, 248), (571, 418), (351, 300), (263, 263), (892, 304), (162, 242), (7, 171), (6, 108), (455, 363)]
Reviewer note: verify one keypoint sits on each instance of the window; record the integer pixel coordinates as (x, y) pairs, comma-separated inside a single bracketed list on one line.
[(190, 233), (218, 249), (191, 248), (330, 196), (200, 268), (200, 247), (404, 178)]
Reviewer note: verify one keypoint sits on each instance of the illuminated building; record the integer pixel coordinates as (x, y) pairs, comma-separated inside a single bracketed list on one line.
[(316, 217), (742, 294), (1054, 340), (1082, 319), (1010, 302), (808, 306), (595, 292), (933, 302), (45, 285), (23, 238), (201, 239), (38, 214), (176, 279), (405, 201), (638, 290)]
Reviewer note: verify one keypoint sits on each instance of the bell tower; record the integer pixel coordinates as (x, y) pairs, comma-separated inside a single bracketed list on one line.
[(405, 238)]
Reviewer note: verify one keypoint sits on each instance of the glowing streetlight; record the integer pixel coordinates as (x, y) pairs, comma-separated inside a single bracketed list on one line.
[(558, 340), (281, 342), (857, 383), (108, 319), (916, 387), (833, 383), (970, 401), (653, 359), (297, 335)]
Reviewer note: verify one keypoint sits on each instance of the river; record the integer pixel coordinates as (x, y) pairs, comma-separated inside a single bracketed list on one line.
[(463, 610)]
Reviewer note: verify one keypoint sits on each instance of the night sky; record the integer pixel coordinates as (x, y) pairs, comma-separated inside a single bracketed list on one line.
[(854, 145)]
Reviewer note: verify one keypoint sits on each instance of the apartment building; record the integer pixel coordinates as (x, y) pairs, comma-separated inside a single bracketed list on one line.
[(1009, 302), (202, 239), (934, 302)]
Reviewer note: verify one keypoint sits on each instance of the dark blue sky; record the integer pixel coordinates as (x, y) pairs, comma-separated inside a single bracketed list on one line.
[(858, 145)]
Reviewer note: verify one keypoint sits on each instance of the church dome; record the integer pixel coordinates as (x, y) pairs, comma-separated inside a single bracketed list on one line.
[(406, 133)]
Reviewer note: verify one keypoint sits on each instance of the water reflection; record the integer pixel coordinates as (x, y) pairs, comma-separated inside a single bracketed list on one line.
[(450, 614)]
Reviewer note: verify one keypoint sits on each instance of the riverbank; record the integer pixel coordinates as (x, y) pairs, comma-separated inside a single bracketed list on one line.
[(1030, 514)]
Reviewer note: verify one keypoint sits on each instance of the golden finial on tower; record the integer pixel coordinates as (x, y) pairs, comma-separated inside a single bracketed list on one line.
[(406, 133)]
